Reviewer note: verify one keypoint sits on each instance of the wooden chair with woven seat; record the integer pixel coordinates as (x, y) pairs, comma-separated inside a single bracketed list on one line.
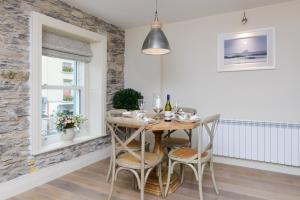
[(176, 142), (116, 112), (196, 159), (134, 145), (139, 163)]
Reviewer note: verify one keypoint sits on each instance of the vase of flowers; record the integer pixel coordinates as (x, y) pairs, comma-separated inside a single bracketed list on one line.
[(68, 125), (68, 135)]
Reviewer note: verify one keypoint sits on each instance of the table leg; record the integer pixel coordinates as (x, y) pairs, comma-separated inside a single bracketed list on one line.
[(152, 185), (157, 145)]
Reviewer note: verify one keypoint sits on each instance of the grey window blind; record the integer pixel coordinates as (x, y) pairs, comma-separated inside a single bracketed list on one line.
[(58, 46)]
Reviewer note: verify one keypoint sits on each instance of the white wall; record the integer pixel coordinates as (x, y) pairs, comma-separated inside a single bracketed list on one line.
[(189, 72), (142, 72)]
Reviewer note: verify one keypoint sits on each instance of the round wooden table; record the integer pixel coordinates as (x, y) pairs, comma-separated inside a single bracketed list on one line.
[(152, 185)]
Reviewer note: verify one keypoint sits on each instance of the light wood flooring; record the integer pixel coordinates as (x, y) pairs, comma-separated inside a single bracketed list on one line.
[(235, 183)]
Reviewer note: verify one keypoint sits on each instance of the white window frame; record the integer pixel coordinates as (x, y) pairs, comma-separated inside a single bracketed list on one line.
[(95, 80)]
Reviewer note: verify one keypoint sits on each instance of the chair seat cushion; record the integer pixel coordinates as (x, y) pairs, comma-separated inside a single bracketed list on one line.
[(175, 142), (186, 153), (129, 161), (133, 145)]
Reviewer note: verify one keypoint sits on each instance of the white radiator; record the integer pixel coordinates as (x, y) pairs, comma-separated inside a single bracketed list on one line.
[(270, 142)]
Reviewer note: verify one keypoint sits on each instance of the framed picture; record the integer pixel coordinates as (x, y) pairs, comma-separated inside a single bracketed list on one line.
[(248, 50)]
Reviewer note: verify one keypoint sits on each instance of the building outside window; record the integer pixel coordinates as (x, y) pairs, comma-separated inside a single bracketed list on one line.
[(61, 91), (67, 95), (67, 67)]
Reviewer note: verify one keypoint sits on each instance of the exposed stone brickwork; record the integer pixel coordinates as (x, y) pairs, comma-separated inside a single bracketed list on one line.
[(15, 158)]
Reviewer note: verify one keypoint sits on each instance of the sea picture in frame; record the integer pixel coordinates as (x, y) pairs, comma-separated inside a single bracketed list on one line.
[(249, 50)]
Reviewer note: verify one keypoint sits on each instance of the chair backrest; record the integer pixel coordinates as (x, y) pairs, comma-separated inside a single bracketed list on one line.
[(115, 112), (118, 113), (210, 125), (118, 145), (192, 111)]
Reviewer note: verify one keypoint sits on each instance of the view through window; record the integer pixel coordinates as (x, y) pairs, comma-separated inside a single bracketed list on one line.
[(61, 90)]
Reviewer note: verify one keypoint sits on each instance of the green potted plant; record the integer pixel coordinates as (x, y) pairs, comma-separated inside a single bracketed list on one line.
[(127, 99), (67, 124)]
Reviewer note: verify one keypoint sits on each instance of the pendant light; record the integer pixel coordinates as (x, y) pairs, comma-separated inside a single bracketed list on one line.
[(245, 19), (156, 43)]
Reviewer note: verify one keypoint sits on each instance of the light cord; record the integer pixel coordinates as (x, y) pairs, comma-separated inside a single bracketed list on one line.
[(156, 11)]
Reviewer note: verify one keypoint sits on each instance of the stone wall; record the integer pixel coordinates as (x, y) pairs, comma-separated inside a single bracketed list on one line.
[(15, 158)]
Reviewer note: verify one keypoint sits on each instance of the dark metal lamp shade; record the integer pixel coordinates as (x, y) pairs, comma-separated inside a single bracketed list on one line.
[(156, 43)]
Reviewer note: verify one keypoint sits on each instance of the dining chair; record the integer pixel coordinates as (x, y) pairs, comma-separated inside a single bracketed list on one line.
[(119, 113), (176, 142), (115, 112), (196, 159), (140, 163), (123, 132)]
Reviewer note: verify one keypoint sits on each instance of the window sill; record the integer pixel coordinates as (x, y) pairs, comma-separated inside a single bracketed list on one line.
[(62, 144), (66, 72)]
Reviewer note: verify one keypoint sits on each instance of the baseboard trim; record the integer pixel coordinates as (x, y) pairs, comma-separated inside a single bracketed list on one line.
[(258, 165), (26, 182)]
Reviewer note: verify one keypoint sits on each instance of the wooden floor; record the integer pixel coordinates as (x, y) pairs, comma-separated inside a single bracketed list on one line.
[(235, 183)]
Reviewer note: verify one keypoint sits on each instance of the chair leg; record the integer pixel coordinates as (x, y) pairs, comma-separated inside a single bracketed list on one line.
[(168, 149), (181, 173), (109, 169), (112, 179), (142, 185), (200, 181), (135, 185), (190, 138), (211, 167), (142, 191), (169, 177), (160, 181), (147, 147)]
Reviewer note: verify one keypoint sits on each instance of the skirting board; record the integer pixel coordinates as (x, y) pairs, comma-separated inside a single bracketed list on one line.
[(26, 182), (258, 165)]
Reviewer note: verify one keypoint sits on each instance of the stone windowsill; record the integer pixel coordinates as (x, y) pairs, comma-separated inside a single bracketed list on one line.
[(62, 144)]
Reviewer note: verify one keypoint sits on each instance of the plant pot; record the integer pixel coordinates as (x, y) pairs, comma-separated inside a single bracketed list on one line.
[(68, 135)]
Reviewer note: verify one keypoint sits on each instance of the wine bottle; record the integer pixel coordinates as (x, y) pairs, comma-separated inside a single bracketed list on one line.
[(168, 110)]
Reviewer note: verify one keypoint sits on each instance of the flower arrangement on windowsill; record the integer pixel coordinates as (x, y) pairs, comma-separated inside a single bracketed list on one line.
[(68, 124)]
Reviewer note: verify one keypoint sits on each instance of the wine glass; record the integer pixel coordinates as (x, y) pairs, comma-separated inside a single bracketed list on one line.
[(175, 107), (141, 104), (157, 105)]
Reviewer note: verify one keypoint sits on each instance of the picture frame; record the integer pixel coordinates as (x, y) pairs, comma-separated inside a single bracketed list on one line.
[(247, 50)]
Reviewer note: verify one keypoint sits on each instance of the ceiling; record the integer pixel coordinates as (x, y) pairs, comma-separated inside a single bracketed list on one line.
[(132, 13)]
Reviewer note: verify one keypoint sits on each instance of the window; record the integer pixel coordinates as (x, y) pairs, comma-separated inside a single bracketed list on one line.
[(65, 77), (61, 92)]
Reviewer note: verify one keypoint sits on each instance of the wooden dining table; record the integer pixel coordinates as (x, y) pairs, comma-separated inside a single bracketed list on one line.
[(158, 129)]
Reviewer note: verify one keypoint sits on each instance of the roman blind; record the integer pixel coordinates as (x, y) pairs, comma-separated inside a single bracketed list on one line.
[(59, 46)]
